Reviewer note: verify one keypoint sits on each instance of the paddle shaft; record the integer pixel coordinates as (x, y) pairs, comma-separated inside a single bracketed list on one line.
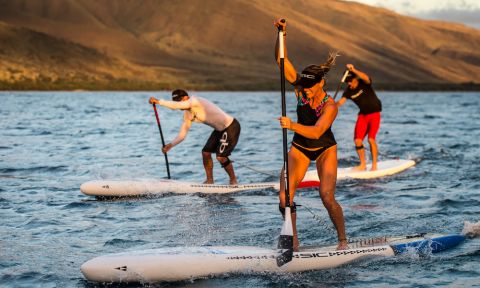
[(161, 137), (340, 83), (281, 51), (285, 241)]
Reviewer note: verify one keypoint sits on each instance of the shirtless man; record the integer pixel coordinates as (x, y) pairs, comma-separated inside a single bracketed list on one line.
[(223, 139), (360, 91)]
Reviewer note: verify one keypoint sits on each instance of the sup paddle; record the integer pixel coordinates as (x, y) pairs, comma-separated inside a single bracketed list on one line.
[(285, 241), (340, 84), (161, 136)]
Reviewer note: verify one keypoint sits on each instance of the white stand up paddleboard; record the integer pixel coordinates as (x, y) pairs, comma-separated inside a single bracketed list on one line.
[(384, 168), (145, 187), (184, 263), (119, 188)]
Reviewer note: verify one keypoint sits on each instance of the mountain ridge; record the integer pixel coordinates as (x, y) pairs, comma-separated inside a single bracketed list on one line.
[(212, 44)]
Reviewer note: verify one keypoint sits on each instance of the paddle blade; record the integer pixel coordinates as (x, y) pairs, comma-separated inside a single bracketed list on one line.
[(285, 257), (285, 241), (345, 76)]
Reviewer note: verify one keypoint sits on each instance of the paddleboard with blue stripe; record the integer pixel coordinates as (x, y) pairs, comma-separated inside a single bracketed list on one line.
[(184, 263), (433, 244)]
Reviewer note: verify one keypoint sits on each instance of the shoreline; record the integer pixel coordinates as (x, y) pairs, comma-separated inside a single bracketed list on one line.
[(331, 91), (257, 87)]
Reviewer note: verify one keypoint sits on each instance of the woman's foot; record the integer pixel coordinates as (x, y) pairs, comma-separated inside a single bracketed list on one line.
[(296, 244), (208, 181), (342, 245)]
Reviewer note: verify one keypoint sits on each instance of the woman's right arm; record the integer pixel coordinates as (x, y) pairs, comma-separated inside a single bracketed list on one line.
[(329, 113), (290, 72)]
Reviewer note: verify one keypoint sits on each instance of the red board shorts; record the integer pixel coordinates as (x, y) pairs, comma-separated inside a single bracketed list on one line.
[(367, 123)]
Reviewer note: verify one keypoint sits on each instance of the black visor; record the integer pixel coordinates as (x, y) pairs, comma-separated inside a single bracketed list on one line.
[(307, 80), (310, 76)]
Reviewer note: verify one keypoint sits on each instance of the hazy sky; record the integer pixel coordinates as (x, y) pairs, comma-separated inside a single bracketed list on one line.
[(463, 11)]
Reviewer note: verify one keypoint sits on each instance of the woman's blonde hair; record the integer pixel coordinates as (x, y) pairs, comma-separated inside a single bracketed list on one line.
[(322, 69)]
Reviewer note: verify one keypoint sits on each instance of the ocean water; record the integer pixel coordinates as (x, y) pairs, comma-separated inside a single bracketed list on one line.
[(52, 142)]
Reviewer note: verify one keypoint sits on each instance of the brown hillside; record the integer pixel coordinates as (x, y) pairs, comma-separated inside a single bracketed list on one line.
[(217, 44), (27, 54)]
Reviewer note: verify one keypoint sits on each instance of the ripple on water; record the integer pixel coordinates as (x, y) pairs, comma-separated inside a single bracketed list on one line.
[(406, 122), (30, 279), (35, 169), (124, 243), (456, 203), (78, 204), (34, 223)]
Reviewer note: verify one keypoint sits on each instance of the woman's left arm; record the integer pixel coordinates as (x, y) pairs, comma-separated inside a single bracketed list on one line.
[(313, 132)]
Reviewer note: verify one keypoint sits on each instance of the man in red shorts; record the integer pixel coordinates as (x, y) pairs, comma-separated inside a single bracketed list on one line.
[(360, 91)]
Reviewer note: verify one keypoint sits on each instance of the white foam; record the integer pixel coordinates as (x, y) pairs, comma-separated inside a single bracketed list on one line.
[(471, 230)]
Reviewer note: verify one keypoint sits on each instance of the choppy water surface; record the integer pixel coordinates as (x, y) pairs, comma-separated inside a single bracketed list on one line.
[(50, 143)]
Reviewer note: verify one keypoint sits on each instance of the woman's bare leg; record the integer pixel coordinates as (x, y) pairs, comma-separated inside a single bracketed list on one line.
[(297, 167), (327, 173)]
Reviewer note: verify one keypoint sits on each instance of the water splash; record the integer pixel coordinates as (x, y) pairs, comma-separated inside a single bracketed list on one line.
[(471, 230)]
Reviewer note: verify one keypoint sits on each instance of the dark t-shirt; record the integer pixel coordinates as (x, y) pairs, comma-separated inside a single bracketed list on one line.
[(364, 97)]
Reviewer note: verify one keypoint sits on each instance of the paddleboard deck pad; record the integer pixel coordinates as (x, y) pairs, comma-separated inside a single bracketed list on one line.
[(184, 263)]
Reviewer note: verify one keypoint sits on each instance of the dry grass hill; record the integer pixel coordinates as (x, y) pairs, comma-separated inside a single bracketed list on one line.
[(216, 44)]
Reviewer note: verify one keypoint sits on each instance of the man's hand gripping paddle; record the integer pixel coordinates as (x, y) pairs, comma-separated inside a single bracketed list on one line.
[(285, 241)]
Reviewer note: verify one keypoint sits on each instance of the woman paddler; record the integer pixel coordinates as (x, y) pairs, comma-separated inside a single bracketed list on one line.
[(313, 139)]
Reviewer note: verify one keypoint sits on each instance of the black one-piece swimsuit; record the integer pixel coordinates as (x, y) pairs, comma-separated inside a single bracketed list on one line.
[(308, 116)]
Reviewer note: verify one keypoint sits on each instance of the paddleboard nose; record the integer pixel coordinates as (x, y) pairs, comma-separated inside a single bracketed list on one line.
[(95, 188), (90, 270), (101, 270), (88, 188)]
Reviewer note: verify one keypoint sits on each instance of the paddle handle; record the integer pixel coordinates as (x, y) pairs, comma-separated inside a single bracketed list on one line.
[(281, 53), (163, 140)]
